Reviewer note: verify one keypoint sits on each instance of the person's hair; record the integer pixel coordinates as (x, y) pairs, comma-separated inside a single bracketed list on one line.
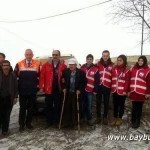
[(89, 56), (105, 51), (124, 58), (29, 50), (3, 55), (145, 64), (57, 51), (6, 61), (144, 60)]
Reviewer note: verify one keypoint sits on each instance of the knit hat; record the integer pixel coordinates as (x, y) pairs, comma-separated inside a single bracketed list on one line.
[(72, 61)]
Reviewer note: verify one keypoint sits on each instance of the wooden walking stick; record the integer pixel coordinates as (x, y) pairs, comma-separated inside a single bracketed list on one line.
[(62, 110), (78, 111)]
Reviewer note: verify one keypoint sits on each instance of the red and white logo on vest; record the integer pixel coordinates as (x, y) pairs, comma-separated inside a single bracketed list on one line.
[(92, 72), (141, 74), (122, 75), (109, 68)]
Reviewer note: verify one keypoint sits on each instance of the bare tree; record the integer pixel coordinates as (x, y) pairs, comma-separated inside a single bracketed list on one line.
[(137, 13)]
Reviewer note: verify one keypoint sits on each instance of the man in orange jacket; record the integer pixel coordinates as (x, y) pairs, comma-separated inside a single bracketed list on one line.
[(50, 78), (27, 72)]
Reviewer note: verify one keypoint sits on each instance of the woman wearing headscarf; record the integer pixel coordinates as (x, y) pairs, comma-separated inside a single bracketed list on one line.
[(120, 88), (139, 89)]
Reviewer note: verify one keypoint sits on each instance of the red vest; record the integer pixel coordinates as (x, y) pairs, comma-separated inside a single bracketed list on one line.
[(118, 81), (138, 80), (105, 75), (90, 77), (46, 76)]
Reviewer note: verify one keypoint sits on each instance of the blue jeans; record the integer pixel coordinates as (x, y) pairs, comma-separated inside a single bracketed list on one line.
[(88, 105)]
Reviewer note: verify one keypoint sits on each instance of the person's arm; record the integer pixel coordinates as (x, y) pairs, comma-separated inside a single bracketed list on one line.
[(15, 88), (16, 70), (148, 86), (127, 81), (97, 81), (82, 82), (42, 78), (63, 81)]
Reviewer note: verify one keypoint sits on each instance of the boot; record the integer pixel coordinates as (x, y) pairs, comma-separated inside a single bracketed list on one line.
[(114, 122), (119, 121), (30, 127), (136, 124), (5, 133), (21, 128)]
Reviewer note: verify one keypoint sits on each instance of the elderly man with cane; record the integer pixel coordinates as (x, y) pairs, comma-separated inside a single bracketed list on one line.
[(73, 84)]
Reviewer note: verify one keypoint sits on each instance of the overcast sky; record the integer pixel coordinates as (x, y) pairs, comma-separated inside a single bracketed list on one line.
[(78, 33)]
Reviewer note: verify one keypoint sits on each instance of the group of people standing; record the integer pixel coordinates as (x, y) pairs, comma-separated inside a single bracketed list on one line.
[(69, 91)]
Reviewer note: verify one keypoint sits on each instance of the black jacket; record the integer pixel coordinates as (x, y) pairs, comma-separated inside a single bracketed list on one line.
[(12, 84), (80, 79), (27, 81)]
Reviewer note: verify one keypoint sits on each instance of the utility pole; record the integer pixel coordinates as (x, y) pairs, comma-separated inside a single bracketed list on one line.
[(142, 40)]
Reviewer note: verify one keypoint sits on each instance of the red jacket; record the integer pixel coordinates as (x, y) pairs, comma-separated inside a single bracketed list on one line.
[(105, 74), (120, 80), (90, 76), (140, 83), (46, 76)]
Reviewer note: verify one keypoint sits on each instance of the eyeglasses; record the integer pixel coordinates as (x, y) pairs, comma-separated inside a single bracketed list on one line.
[(55, 54)]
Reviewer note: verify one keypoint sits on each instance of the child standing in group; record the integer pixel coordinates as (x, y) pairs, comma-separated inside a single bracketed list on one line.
[(139, 89), (119, 88)]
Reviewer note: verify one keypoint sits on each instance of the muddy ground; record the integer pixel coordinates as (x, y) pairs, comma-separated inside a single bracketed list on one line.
[(89, 139)]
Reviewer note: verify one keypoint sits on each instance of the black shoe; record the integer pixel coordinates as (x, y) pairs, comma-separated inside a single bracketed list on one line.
[(98, 120), (5, 133), (30, 127), (48, 125), (135, 125), (91, 122), (105, 121), (21, 128)]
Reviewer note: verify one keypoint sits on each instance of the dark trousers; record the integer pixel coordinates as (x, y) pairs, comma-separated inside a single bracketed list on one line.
[(136, 111), (70, 110), (118, 102), (87, 105), (53, 107), (5, 111), (27, 103), (103, 94), (0, 122)]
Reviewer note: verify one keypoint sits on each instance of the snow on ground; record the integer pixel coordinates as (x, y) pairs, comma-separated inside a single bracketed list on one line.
[(66, 139)]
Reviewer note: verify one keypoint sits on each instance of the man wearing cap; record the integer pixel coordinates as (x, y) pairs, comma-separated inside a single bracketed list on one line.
[(73, 84), (50, 78)]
